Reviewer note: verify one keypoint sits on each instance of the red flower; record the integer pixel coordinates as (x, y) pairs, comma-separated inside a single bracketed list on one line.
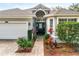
[(50, 30)]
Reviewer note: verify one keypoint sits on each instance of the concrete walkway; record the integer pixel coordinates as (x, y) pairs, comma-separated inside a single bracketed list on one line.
[(38, 49), (8, 48)]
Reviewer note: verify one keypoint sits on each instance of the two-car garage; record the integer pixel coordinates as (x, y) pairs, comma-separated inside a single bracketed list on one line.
[(13, 29)]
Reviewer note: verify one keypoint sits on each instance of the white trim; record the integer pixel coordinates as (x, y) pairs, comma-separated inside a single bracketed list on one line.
[(67, 17), (13, 22), (54, 25), (57, 21), (62, 15)]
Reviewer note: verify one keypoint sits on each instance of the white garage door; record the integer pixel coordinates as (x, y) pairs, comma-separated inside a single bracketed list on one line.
[(13, 31)]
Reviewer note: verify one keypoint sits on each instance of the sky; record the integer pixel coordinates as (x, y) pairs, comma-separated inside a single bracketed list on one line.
[(4, 6)]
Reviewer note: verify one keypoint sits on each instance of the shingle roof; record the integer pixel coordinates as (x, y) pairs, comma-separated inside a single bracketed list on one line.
[(57, 12), (65, 11), (15, 13)]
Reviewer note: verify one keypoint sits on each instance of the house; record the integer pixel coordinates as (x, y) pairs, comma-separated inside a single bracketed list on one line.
[(15, 23)]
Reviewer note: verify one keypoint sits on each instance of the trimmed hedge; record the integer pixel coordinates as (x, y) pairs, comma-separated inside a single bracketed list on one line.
[(68, 32)]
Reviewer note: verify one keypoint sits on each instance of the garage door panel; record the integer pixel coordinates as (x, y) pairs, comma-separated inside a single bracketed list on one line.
[(13, 31)]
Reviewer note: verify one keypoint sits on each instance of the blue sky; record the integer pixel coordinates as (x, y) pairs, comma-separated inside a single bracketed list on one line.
[(4, 6)]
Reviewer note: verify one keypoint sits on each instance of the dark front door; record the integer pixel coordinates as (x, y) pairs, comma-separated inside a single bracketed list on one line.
[(40, 28)]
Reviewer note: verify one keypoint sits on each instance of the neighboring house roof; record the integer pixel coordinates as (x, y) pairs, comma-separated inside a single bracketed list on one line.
[(62, 12)]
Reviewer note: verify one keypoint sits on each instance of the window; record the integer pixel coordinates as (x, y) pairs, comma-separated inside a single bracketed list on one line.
[(51, 22), (40, 26), (72, 20), (61, 20)]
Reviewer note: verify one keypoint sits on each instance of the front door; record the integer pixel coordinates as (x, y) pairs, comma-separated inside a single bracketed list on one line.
[(40, 28)]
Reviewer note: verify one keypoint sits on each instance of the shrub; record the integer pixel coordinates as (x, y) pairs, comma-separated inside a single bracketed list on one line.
[(22, 42), (68, 32), (29, 44)]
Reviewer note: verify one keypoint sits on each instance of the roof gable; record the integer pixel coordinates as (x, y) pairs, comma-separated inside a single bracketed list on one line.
[(40, 6)]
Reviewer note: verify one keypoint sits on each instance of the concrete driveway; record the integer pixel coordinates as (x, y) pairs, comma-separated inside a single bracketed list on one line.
[(8, 48)]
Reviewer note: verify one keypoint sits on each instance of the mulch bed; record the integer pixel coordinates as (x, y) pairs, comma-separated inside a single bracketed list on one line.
[(20, 50), (63, 50)]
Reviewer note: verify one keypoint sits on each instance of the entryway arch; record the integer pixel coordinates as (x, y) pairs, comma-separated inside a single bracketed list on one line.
[(40, 13), (40, 23)]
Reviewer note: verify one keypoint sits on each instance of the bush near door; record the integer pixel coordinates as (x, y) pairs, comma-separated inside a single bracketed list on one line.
[(68, 32)]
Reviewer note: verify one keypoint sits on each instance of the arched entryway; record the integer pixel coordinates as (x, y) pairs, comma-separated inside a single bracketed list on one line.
[(40, 23), (40, 13)]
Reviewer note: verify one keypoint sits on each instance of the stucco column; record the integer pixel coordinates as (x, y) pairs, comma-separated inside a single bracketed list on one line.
[(47, 25), (54, 26)]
